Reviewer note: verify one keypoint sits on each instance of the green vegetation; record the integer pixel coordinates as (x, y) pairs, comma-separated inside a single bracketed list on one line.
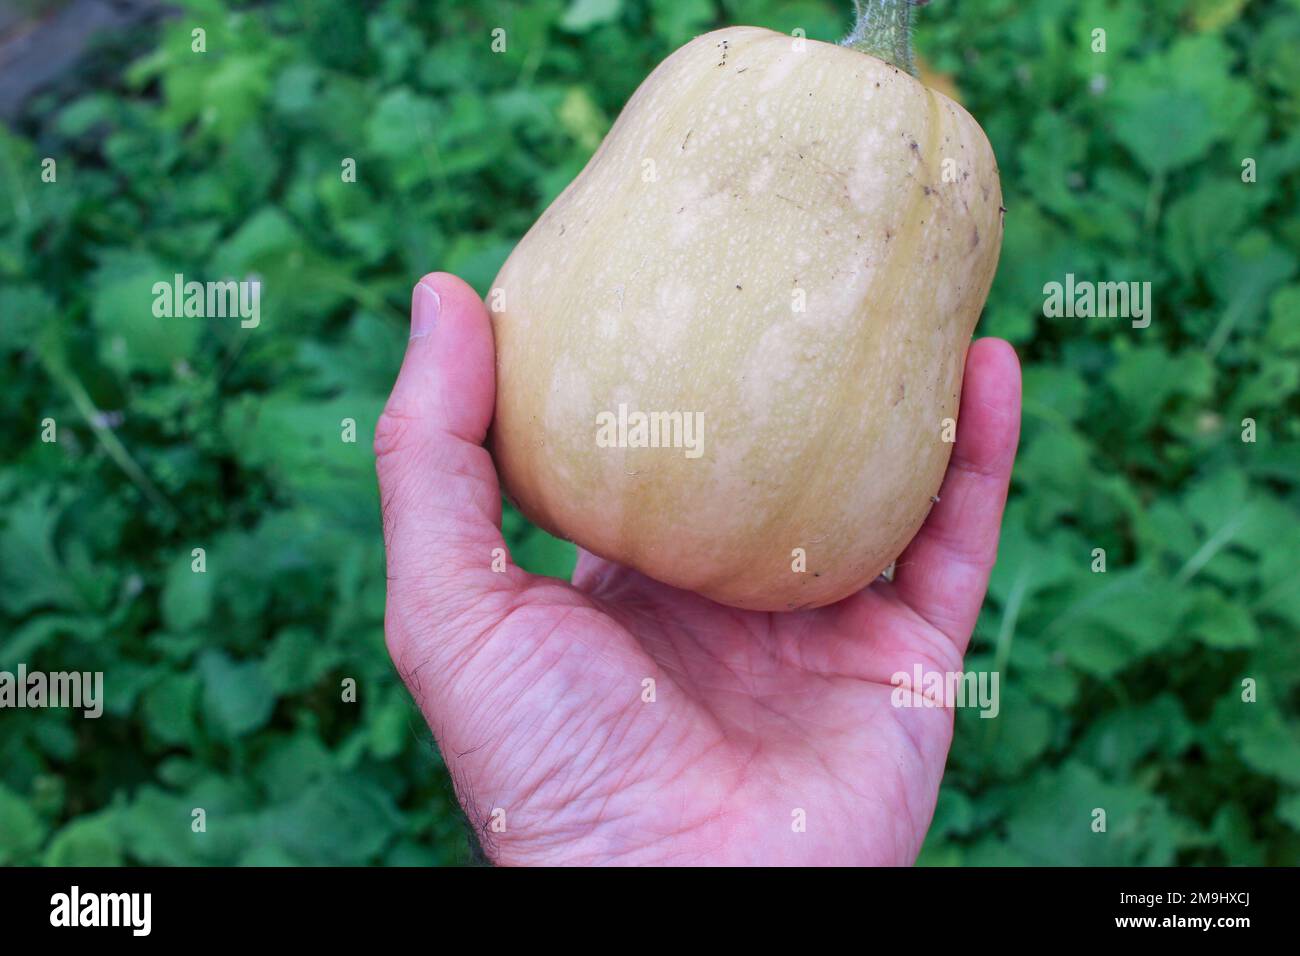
[(1120, 690)]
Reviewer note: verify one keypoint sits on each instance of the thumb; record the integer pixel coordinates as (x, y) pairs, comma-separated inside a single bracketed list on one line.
[(439, 494)]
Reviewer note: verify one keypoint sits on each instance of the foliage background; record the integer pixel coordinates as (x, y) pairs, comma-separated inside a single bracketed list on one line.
[(1120, 690)]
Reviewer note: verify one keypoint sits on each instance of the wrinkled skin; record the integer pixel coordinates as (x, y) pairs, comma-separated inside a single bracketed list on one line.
[(770, 739)]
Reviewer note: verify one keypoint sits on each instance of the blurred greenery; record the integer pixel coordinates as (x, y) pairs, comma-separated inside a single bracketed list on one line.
[(1120, 689)]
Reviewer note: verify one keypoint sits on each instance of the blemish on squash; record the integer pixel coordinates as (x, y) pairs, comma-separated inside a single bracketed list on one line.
[(975, 236)]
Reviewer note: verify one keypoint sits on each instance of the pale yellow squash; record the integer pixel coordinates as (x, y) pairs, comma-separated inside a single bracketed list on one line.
[(791, 242)]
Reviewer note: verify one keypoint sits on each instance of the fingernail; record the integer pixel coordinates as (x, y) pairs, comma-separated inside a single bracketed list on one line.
[(425, 310)]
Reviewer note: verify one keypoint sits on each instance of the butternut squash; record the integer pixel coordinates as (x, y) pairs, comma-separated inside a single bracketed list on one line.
[(729, 355)]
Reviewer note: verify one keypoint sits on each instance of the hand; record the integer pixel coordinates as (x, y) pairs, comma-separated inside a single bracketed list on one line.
[(533, 687)]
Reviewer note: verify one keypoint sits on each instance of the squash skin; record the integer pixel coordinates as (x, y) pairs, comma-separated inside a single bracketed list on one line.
[(776, 172)]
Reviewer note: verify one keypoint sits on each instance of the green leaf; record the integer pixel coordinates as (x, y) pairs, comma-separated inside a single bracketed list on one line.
[(1216, 14), (25, 309), (1220, 623), (677, 21), (392, 724), (1244, 277), (187, 596), (298, 660), (266, 855), (1008, 743), (401, 131), (344, 821), (992, 852), (1124, 737), (1174, 106), (237, 699), (1288, 810), (1025, 564), (1199, 221), (131, 337), (582, 15), (1266, 741), (317, 451), (170, 707), (582, 118), (1057, 395), (264, 234), (294, 763), (1145, 378), (1164, 128), (158, 827), (1118, 618), (1233, 830), (953, 814), (1055, 824), (88, 841), (21, 830), (477, 259), (39, 631), (1218, 500), (1284, 319), (31, 574)]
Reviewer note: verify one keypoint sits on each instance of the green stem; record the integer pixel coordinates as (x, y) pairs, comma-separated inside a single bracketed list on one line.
[(883, 29), (62, 374)]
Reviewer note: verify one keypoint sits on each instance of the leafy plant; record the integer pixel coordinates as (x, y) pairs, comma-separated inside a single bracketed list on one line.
[(225, 688)]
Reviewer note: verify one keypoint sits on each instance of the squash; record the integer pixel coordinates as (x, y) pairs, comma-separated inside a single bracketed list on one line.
[(729, 354)]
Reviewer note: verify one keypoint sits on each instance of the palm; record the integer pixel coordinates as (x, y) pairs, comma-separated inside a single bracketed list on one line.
[(753, 718), (620, 720)]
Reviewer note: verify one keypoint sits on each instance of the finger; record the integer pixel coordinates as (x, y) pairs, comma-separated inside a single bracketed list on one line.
[(440, 498), (944, 572)]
